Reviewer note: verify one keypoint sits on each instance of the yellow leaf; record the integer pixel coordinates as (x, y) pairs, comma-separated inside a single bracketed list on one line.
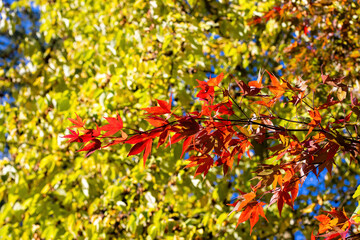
[(341, 94), (357, 192), (309, 208)]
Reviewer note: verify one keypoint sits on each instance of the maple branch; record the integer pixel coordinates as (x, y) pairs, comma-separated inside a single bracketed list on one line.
[(217, 141), (307, 104), (279, 128), (152, 129), (237, 105), (288, 120), (348, 132)]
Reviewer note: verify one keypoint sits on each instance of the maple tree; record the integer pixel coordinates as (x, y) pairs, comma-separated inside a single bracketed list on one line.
[(222, 132), (101, 58)]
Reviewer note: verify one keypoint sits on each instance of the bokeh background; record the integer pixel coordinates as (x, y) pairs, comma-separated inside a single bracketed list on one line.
[(98, 58)]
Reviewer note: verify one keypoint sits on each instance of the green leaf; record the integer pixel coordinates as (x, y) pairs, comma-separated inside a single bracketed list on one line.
[(63, 104)]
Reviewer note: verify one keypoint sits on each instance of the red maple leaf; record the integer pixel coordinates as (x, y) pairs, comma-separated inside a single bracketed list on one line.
[(93, 132), (282, 196), (144, 136), (241, 146), (344, 120), (141, 146), (223, 108), (115, 125), (326, 156), (75, 137), (249, 90), (157, 121), (142, 142), (164, 136), (78, 122), (244, 199), (186, 144), (163, 108), (186, 126), (250, 208), (206, 93), (203, 162), (91, 147), (255, 210), (226, 160), (329, 102)]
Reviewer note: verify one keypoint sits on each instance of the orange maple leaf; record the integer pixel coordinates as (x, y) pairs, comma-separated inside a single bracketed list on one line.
[(214, 82), (316, 119), (326, 223), (276, 88), (252, 212)]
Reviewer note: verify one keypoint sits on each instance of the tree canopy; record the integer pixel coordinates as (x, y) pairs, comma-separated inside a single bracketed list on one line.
[(125, 59)]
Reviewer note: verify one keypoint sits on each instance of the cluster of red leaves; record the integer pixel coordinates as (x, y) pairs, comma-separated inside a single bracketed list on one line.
[(334, 225), (251, 208), (216, 136), (92, 138)]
